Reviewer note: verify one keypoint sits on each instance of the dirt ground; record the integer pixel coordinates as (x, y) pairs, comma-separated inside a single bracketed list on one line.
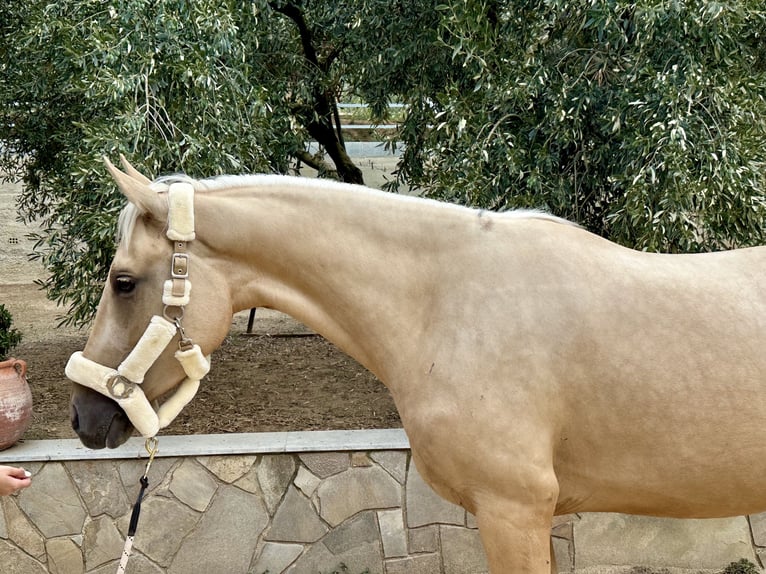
[(279, 378)]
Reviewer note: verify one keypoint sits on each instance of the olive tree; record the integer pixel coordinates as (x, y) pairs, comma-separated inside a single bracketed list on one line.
[(200, 87), (166, 86), (645, 122), (368, 50)]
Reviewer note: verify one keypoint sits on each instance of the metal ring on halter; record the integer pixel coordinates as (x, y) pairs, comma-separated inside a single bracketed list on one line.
[(184, 342), (167, 316), (120, 387)]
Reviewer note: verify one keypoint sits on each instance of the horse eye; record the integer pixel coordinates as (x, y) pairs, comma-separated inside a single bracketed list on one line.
[(124, 285)]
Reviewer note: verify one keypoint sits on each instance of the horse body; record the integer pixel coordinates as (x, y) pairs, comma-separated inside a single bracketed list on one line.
[(537, 368)]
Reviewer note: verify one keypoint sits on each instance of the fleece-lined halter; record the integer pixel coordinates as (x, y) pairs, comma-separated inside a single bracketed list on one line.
[(123, 384)]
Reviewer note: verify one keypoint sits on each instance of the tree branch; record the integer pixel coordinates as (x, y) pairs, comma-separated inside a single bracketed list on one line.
[(332, 56), (295, 14), (316, 162)]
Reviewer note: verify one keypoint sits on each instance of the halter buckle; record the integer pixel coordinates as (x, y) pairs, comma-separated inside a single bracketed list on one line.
[(120, 387), (179, 268)]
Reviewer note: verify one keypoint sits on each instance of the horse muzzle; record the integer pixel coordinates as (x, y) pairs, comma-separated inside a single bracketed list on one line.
[(98, 421), (122, 386)]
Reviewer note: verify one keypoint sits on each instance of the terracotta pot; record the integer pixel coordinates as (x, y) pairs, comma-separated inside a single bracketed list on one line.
[(15, 402)]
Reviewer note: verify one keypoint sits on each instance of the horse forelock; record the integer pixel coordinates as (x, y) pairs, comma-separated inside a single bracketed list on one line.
[(126, 223)]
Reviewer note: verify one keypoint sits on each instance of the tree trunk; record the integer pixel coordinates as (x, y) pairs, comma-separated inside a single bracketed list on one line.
[(325, 136), (325, 109)]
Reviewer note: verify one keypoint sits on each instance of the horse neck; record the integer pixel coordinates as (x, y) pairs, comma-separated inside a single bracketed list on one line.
[(352, 264)]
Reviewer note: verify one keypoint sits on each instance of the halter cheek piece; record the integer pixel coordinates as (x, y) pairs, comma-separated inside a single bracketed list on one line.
[(123, 384)]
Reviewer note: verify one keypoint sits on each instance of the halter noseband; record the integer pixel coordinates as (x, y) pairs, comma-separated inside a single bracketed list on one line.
[(123, 384)]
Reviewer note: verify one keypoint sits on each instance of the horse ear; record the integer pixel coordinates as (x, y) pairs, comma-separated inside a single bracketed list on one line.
[(138, 192), (133, 172)]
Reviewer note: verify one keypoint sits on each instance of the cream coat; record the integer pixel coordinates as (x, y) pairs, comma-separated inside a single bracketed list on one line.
[(538, 369)]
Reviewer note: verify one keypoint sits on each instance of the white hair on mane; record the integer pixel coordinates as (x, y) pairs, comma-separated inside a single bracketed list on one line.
[(126, 223), (535, 214), (130, 213)]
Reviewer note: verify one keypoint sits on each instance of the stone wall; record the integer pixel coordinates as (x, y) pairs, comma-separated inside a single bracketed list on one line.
[(298, 503)]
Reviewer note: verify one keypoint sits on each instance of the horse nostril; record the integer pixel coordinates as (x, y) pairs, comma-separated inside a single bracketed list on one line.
[(74, 418)]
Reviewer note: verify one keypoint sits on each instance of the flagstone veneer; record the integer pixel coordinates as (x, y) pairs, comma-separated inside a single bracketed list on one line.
[(267, 503)]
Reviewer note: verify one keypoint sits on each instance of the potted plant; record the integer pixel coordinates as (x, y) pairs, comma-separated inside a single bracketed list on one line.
[(15, 396)]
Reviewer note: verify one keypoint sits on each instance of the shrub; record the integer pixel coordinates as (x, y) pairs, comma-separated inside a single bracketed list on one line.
[(9, 337), (744, 566)]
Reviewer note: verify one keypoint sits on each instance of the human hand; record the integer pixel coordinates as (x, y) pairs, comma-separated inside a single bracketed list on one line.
[(13, 479)]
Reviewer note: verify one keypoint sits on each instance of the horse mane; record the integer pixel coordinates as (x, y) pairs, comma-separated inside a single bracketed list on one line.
[(535, 214), (130, 213)]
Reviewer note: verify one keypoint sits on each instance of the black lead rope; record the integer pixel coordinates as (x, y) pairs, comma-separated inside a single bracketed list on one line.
[(151, 448), (137, 507)]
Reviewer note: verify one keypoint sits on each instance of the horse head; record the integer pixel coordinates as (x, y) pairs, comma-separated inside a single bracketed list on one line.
[(152, 334)]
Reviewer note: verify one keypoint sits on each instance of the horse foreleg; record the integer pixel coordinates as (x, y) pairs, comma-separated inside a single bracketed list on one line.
[(517, 538)]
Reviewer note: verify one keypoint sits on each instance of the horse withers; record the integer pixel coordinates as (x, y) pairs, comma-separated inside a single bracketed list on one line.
[(538, 369)]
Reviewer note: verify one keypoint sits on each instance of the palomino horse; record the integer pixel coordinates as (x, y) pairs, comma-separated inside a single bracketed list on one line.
[(538, 369)]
